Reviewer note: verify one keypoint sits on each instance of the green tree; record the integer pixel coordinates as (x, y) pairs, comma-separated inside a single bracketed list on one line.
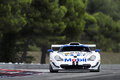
[(102, 24), (55, 21), (11, 22), (91, 29), (74, 18), (45, 24), (102, 30), (109, 7)]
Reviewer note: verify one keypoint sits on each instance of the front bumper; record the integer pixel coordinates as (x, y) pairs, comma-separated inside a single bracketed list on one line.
[(74, 66), (84, 66)]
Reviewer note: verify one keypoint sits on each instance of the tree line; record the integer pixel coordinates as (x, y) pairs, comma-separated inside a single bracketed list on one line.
[(45, 22), (103, 24)]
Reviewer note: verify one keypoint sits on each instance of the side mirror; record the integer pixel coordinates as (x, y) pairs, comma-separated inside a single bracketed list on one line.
[(50, 50), (97, 50)]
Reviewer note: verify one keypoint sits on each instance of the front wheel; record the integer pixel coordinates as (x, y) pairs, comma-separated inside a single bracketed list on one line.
[(98, 70), (51, 70)]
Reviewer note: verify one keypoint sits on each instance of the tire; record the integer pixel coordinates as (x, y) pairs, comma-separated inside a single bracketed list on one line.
[(98, 70), (51, 70)]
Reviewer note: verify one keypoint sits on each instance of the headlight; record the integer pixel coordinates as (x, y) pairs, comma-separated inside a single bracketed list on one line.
[(92, 58), (58, 58)]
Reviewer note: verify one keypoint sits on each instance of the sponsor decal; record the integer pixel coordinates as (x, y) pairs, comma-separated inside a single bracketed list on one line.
[(71, 54), (74, 60), (66, 54)]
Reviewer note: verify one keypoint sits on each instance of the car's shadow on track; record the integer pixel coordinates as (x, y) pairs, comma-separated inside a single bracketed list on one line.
[(72, 71)]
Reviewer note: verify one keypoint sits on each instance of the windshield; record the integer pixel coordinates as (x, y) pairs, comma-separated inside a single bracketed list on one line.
[(74, 48)]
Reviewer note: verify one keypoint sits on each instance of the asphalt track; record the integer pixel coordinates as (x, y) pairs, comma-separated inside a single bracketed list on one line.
[(108, 72)]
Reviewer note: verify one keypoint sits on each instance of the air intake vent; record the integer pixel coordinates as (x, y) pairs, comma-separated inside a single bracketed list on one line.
[(74, 43)]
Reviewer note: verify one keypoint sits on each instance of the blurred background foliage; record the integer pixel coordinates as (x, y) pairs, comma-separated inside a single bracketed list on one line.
[(29, 25)]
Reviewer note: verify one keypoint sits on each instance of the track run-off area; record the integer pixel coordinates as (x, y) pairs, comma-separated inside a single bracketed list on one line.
[(108, 72)]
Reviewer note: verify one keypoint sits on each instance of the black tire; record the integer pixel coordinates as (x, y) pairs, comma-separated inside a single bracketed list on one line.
[(51, 70), (98, 70)]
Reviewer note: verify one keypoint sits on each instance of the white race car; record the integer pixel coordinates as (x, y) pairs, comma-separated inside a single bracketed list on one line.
[(74, 56)]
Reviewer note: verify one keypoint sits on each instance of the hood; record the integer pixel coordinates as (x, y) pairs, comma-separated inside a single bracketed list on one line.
[(76, 54)]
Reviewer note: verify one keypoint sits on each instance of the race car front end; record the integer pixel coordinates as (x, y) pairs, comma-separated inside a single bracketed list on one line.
[(59, 62), (72, 60)]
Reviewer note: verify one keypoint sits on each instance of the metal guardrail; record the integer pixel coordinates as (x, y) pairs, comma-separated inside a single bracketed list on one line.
[(44, 66), (23, 66)]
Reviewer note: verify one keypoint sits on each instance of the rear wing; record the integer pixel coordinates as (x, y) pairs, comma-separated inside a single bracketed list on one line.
[(56, 47), (90, 45)]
